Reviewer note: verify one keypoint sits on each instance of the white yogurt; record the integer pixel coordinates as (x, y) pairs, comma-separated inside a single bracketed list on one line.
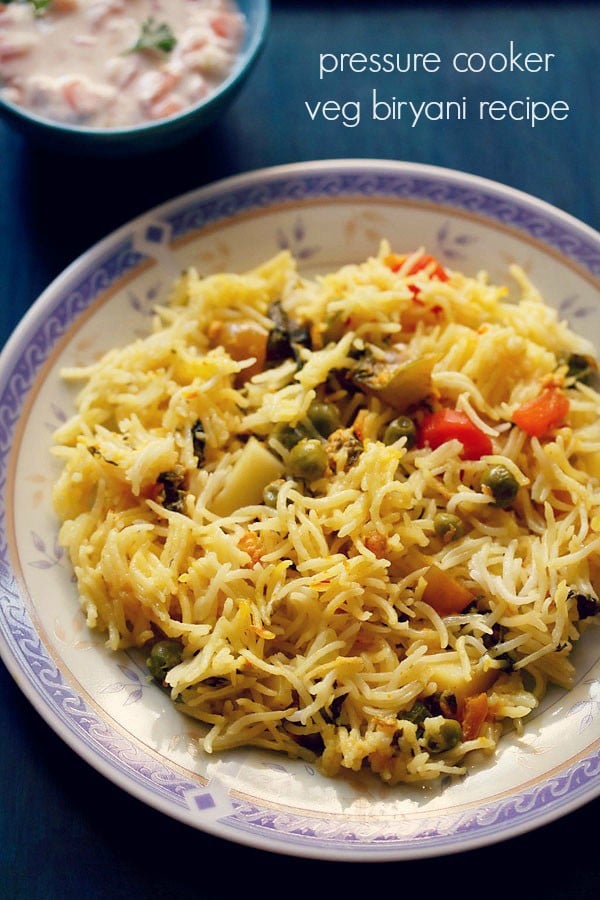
[(74, 62)]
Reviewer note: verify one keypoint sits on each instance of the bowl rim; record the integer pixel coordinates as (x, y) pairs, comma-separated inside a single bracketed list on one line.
[(244, 62)]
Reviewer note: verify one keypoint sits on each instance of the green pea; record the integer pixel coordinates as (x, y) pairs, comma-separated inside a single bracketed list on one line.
[(502, 484), (447, 526), (289, 435), (163, 657), (324, 416), (442, 734), (402, 427), (271, 493), (308, 459)]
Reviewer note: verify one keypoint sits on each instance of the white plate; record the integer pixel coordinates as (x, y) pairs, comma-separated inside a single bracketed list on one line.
[(102, 705)]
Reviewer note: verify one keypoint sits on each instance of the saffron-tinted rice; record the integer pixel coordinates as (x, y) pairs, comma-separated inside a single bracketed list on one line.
[(307, 609)]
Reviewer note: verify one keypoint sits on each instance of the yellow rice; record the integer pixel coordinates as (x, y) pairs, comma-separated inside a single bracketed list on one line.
[(303, 630)]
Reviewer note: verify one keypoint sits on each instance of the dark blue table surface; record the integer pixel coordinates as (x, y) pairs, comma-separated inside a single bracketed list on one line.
[(67, 832)]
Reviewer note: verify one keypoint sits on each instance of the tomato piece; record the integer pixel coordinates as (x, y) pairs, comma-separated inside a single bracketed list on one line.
[(545, 412), (449, 424)]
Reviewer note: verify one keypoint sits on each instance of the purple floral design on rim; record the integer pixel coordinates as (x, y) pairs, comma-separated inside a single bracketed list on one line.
[(48, 556), (452, 244), (133, 686), (589, 708), (293, 239)]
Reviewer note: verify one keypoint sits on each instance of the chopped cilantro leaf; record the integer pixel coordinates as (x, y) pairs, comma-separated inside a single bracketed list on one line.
[(155, 36), (39, 6)]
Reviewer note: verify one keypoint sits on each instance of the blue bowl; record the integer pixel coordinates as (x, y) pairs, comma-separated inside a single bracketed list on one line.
[(155, 135)]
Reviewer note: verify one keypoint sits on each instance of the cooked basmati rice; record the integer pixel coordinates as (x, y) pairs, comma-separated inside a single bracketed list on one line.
[(347, 593)]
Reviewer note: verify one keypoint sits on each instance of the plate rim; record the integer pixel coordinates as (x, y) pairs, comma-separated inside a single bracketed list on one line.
[(43, 306)]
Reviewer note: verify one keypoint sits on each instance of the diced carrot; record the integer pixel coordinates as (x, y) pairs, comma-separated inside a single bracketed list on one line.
[(444, 593), (474, 715), (251, 544), (227, 25), (86, 97), (18, 44), (168, 106), (153, 85), (428, 262), (545, 412), (70, 91), (64, 6), (395, 262)]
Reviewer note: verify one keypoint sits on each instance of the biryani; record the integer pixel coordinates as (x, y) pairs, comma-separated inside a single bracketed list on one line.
[(352, 518)]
